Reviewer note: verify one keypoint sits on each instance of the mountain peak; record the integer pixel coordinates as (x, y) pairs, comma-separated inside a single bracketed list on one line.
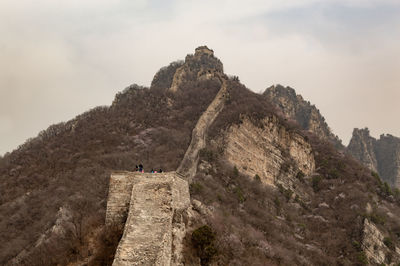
[(198, 66), (203, 50), (295, 107), (380, 155)]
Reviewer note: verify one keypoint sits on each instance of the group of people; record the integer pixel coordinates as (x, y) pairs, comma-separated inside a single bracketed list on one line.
[(140, 169)]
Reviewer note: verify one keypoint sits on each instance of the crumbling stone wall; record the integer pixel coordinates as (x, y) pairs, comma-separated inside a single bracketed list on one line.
[(152, 216)]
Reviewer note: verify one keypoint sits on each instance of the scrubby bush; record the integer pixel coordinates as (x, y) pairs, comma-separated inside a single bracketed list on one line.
[(203, 240), (316, 183), (300, 176), (389, 243)]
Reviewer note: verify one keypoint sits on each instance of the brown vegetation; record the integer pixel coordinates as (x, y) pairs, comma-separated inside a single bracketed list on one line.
[(68, 166)]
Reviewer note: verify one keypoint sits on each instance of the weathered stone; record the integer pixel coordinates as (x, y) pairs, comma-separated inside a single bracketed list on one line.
[(380, 155), (372, 243), (155, 224), (295, 107), (260, 151), (374, 247)]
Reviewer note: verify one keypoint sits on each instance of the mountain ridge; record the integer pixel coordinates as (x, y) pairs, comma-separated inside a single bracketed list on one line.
[(312, 204)]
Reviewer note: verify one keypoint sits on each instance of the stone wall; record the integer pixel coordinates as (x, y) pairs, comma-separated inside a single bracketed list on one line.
[(119, 197), (152, 217), (188, 166)]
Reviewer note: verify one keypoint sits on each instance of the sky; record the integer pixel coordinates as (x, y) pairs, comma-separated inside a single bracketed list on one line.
[(61, 58)]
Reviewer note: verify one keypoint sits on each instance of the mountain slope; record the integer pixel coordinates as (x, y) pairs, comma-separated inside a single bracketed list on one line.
[(266, 191), (66, 168)]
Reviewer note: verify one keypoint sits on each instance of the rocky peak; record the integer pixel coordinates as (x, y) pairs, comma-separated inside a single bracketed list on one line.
[(203, 50), (380, 155), (201, 65), (295, 107), (362, 147), (203, 60)]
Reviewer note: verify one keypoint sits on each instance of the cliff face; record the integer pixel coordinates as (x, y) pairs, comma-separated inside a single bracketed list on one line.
[(265, 151), (380, 155), (306, 115), (362, 147)]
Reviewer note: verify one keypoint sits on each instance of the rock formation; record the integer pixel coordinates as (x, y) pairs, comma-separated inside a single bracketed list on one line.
[(295, 107), (380, 155), (264, 151), (374, 246), (201, 65)]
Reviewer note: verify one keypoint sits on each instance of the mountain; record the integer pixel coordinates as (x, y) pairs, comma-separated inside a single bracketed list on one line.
[(380, 155), (262, 189), (306, 115)]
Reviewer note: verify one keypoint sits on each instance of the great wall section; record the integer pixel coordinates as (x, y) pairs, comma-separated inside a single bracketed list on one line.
[(153, 209)]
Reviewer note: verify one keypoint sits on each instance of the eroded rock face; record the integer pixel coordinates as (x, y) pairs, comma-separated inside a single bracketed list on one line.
[(266, 151), (296, 108), (380, 155), (155, 217), (374, 247), (362, 147)]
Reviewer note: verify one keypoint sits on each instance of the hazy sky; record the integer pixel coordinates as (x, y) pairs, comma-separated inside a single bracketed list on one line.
[(61, 58)]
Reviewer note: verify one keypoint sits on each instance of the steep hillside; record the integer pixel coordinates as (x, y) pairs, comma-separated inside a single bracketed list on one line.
[(264, 190), (54, 187), (295, 107), (380, 155), (277, 195)]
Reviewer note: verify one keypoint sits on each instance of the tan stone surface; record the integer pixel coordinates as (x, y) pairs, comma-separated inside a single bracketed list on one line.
[(374, 247), (155, 224), (255, 150)]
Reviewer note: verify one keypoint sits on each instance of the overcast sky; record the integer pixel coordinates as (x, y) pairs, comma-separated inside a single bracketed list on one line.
[(61, 58)]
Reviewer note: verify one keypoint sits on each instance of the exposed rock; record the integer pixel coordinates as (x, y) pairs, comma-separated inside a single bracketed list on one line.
[(265, 151), (374, 247), (295, 107), (340, 196), (201, 65), (323, 205), (362, 147), (380, 155)]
